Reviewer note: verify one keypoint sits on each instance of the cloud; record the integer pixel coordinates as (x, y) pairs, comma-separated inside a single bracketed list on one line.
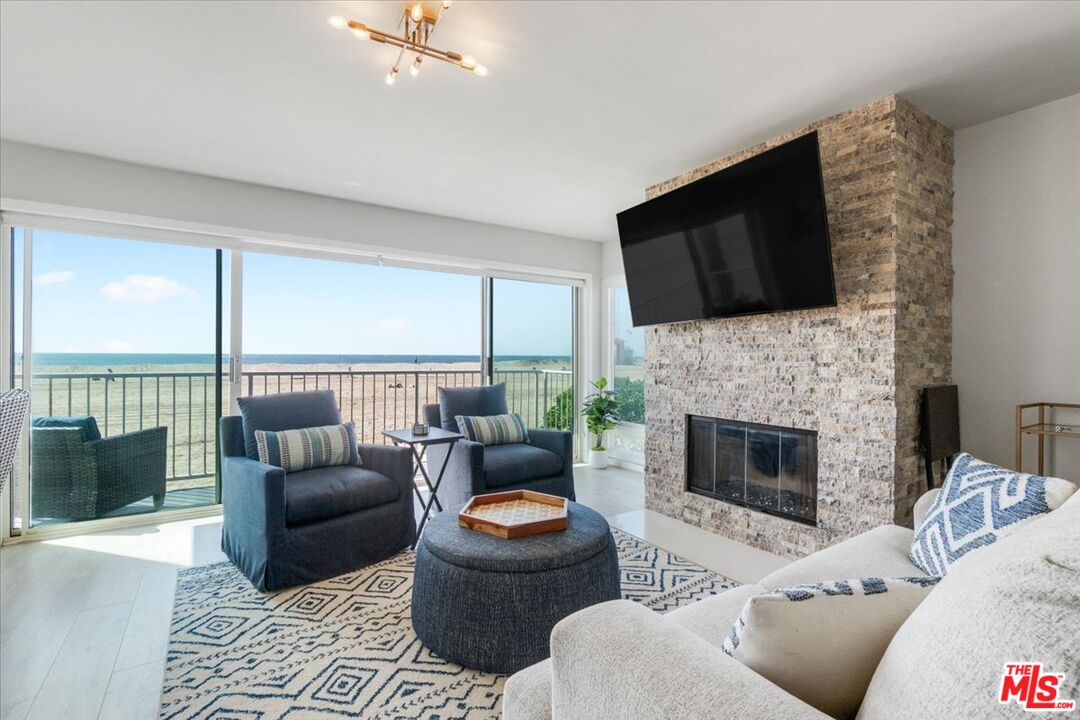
[(117, 346), (393, 325), (146, 288), (53, 277)]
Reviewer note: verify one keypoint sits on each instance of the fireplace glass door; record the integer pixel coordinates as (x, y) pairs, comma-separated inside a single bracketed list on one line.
[(767, 468)]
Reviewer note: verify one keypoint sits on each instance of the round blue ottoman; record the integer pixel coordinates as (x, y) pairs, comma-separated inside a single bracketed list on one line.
[(489, 604)]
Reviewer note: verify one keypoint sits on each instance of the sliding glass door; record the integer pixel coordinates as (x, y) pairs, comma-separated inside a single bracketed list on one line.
[(122, 344), (532, 349), (383, 339), (120, 362)]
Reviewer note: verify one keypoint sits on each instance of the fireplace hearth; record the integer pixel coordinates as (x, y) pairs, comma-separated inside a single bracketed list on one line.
[(763, 467)]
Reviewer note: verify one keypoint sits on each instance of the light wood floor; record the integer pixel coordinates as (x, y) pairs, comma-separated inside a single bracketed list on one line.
[(84, 621)]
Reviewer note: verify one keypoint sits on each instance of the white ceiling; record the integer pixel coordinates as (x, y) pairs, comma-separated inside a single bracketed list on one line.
[(586, 104)]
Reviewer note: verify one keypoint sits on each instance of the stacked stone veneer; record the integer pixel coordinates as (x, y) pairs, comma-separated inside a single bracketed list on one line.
[(853, 372)]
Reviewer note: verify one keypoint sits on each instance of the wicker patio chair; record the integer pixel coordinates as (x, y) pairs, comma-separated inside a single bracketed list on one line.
[(78, 475), (14, 404)]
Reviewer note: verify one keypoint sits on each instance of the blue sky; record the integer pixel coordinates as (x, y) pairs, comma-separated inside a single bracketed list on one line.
[(94, 294)]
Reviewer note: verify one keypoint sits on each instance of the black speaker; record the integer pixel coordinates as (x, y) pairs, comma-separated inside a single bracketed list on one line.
[(940, 432)]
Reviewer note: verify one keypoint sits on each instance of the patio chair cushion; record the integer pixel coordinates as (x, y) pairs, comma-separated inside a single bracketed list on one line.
[(86, 423), (485, 400), (511, 464), (329, 492), (285, 411)]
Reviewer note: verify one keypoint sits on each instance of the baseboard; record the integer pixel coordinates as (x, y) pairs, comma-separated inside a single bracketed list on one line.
[(626, 464)]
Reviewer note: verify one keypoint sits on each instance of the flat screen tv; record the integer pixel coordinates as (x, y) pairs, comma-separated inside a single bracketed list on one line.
[(751, 238)]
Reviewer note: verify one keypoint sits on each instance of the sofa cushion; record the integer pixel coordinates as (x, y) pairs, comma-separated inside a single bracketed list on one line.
[(511, 464), (980, 503), (1015, 600), (485, 400), (711, 618), (527, 694), (881, 552), (86, 423), (307, 448), (328, 492), (285, 411), (821, 641), (493, 429)]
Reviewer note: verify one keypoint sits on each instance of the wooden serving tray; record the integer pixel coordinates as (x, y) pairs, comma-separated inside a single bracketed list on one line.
[(514, 514)]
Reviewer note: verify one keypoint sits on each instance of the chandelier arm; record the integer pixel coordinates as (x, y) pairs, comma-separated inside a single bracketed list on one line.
[(405, 44)]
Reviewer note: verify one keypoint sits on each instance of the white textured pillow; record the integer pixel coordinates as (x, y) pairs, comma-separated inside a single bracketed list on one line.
[(979, 503), (822, 641)]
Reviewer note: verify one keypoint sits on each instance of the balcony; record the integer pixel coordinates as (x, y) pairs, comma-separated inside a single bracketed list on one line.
[(185, 404)]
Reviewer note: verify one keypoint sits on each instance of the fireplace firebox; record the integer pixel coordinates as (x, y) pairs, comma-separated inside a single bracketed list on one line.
[(763, 467)]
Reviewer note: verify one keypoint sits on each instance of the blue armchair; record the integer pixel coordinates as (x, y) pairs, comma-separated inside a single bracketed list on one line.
[(544, 464), (289, 530)]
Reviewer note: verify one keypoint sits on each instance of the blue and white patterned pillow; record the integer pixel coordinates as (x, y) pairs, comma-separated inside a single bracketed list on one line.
[(493, 429), (307, 448), (822, 641), (978, 503)]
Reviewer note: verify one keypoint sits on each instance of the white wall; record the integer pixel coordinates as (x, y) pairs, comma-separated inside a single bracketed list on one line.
[(611, 260), (1016, 255), (30, 173)]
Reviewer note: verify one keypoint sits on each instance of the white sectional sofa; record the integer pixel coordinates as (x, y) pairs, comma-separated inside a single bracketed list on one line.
[(1015, 600)]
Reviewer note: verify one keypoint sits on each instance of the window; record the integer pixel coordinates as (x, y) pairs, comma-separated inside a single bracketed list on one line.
[(384, 339), (628, 359), (125, 392), (127, 341), (532, 350)]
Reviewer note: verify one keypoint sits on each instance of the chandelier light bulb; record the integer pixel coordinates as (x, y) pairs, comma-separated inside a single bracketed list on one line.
[(391, 77), (480, 70), (337, 22), (468, 62), (446, 4), (414, 69), (417, 12)]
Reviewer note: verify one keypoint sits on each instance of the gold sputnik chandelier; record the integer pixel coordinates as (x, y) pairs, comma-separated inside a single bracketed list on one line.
[(419, 25)]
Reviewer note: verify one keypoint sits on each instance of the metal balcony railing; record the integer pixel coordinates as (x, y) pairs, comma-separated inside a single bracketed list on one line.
[(373, 400)]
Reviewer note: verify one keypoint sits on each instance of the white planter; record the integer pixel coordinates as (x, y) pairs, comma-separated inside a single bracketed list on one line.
[(597, 459)]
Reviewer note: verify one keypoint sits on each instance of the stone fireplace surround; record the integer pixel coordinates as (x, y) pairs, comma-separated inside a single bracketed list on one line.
[(851, 373)]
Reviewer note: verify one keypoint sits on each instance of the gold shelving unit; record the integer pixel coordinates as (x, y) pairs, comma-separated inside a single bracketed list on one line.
[(1046, 427)]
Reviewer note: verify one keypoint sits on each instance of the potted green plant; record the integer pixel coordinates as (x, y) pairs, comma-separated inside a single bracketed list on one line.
[(601, 411)]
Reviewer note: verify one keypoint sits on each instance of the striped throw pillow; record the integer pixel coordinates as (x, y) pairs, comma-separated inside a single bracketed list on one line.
[(308, 448), (493, 429)]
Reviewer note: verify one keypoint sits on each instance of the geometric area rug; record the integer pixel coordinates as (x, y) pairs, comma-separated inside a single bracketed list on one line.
[(345, 647)]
